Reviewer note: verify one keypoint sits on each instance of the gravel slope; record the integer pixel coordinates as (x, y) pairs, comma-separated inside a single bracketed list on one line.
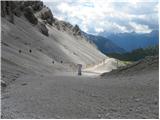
[(134, 96)]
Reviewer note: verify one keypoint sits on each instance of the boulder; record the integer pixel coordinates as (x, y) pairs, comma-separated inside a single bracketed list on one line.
[(3, 84), (47, 15), (57, 25), (43, 29), (28, 13), (49, 21)]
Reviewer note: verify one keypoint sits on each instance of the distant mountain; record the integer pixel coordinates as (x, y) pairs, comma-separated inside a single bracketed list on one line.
[(131, 41), (103, 44), (136, 54)]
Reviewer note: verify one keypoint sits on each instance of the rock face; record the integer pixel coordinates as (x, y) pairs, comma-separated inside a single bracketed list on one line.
[(57, 25), (11, 8), (37, 6), (28, 13), (76, 30), (17, 12), (6, 10), (65, 26), (30, 9), (43, 29), (47, 15)]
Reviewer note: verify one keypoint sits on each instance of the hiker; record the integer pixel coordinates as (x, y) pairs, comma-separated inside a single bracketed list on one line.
[(79, 69)]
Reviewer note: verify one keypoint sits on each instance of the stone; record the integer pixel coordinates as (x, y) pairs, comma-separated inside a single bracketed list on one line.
[(3, 84), (37, 6), (17, 12), (43, 29), (28, 13), (48, 16)]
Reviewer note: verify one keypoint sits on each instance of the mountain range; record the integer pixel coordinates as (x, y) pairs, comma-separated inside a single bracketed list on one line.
[(131, 41), (103, 44)]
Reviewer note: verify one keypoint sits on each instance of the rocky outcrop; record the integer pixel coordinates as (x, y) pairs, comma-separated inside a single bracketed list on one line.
[(3, 84), (28, 13), (37, 6), (17, 12), (47, 15), (43, 29), (66, 26), (6, 10), (11, 8), (29, 10), (76, 30), (57, 25)]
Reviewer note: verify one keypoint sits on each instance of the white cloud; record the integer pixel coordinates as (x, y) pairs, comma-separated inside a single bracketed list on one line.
[(98, 30), (64, 7), (96, 16), (140, 28), (120, 28), (156, 8)]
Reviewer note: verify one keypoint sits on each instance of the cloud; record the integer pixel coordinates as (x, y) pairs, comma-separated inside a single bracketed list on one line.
[(140, 28), (98, 30), (95, 16)]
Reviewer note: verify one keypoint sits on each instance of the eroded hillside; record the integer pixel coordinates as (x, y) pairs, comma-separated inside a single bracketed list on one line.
[(34, 41)]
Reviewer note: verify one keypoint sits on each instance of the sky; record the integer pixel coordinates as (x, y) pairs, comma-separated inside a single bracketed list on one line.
[(108, 16)]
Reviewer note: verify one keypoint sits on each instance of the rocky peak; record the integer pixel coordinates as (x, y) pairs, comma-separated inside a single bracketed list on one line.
[(28, 13), (76, 30), (35, 12)]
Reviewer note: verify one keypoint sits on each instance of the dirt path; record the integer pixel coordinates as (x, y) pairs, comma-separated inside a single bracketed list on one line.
[(133, 96)]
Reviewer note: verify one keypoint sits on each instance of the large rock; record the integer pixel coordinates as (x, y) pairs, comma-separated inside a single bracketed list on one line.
[(17, 12), (76, 30), (65, 25), (3, 84), (37, 6), (57, 25), (47, 15), (43, 29), (28, 13)]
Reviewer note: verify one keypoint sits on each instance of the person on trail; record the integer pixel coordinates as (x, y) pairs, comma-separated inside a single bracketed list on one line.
[(79, 69)]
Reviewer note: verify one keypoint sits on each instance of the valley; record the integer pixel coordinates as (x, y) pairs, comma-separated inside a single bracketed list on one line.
[(40, 55)]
